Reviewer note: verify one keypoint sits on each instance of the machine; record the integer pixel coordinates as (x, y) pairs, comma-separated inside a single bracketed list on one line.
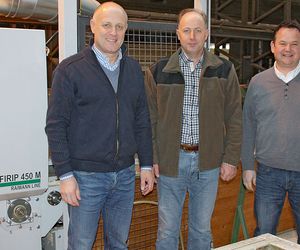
[(32, 214), (30, 202)]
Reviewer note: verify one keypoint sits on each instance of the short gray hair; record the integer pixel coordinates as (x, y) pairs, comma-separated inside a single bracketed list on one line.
[(200, 12)]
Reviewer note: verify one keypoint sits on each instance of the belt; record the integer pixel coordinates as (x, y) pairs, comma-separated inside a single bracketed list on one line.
[(189, 147)]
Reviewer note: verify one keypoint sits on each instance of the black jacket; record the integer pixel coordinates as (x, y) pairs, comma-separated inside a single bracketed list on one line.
[(89, 126)]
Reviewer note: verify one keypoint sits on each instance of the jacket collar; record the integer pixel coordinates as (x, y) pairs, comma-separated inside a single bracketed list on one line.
[(172, 65), (209, 60)]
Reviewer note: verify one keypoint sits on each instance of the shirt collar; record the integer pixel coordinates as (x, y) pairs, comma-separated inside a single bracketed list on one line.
[(189, 62), (290, 76), (104, 61)]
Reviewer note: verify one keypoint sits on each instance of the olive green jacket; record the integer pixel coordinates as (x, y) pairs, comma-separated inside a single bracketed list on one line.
[(220, 112)]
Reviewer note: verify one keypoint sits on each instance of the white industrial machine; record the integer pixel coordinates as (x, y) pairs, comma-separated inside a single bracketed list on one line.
[(32, 214), (30, 204)]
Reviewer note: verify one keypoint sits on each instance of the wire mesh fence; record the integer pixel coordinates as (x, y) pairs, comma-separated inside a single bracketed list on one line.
[(147, 42)]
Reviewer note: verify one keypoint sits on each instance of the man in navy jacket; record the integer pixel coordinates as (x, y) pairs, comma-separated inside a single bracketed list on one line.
[(97, 121)]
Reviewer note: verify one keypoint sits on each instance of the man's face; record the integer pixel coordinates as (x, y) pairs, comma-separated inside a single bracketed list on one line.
[(109, 26), (192, 34), (286, 49)]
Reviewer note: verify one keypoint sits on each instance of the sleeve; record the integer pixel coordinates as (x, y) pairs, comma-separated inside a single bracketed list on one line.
[(151, 91), (143, 128), (232, 120), (58, 121), (249, 130)]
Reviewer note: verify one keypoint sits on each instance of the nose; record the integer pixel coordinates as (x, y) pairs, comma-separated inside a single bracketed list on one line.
[(113, 30), (288, 47), (192, 34)]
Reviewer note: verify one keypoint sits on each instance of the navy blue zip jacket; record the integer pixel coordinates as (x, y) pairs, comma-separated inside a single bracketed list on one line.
[(89, 126)]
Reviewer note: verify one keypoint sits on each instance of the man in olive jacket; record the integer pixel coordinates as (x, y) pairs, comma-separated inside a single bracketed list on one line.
[(195, 108)]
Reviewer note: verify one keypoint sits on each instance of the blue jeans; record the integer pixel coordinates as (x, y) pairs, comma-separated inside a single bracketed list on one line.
[(272, 185), (110, 194), (202, 188)]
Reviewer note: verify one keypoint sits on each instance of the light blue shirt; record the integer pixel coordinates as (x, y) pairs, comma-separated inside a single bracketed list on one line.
[(103, 59)]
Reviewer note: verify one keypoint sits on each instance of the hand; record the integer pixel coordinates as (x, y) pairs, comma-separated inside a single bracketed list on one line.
[(249, 179), (147, 181), (227, 171), (155, 170), (70, 191)]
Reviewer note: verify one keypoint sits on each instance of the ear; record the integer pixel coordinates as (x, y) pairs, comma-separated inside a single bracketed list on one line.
[(206, 34), (177, 33), (272, 45), (92, 24)]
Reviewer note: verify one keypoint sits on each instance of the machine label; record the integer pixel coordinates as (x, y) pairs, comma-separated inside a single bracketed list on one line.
[(21, 181)]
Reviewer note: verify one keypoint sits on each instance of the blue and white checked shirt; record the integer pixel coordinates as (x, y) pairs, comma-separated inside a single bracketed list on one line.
[(103, 60), (190, 116)]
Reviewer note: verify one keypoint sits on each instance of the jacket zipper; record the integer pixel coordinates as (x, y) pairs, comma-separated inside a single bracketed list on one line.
[(117, 115), (117, 128)]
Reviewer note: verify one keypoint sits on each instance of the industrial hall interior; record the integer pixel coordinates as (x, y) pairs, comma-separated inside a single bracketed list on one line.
[(232, 64)]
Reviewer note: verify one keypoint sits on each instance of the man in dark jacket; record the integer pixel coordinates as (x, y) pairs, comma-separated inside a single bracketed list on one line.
[(194, 102), (97, 121)]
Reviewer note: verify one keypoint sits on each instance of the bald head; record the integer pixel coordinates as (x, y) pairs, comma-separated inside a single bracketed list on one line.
[(109, 24), (109, 6)]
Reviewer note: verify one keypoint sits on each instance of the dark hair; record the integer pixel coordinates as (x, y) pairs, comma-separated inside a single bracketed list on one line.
[(200, 12), (286, 24)]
